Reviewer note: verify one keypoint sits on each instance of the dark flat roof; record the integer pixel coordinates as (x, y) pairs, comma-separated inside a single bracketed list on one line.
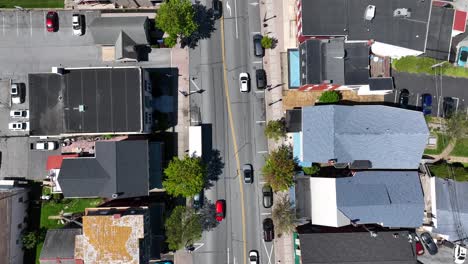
[(440, 33), (111, 98), (346, 18), (356, 63)]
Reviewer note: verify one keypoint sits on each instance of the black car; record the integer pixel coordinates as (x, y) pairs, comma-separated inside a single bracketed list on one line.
[(247, 170), (259, 51), (448, 105), (428, 242), (267, 196), (217, 9), (268, 230), (260, 76), (198, 200), (404, 98)]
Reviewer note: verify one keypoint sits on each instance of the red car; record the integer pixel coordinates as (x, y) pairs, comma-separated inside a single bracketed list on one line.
[(52, 21), (419, 246), (220, 209)]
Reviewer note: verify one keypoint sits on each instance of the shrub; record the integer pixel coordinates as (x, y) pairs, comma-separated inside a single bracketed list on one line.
[(329, 97), (275, 129), (314, 169), (267, 42)]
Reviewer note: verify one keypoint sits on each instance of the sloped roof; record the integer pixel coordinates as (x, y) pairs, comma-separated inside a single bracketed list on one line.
[(439, 35), (59, 244), (389, 198), (125, 47), (119, 167), (106, 30), (389, 137), (55, 161)]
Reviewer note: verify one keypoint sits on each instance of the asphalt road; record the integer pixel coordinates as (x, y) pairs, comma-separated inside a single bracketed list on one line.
[(237, 121)]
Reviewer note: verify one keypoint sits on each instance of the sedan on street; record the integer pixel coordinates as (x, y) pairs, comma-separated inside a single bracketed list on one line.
[(268, 230), (428, 242), (267, 196), (244, 80), (220, 210), (253, 257), (247, 170)]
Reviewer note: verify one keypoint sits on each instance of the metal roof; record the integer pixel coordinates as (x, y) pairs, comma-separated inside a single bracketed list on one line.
[(439, 37), (106, 30), (59, 245)]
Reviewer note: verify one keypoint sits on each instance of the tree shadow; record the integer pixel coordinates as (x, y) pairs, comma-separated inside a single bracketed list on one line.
[(204, 18), (274, 43), (207, 214), (214, 167)]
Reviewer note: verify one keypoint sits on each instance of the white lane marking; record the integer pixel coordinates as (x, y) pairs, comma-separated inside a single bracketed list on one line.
[(266, 213), (262, 151), (228, 255), (235, 261), (228, 7), (257, 62), (262, 182), (196, 86), (262, 121), (235, 13), (266, 251), (254, 3)]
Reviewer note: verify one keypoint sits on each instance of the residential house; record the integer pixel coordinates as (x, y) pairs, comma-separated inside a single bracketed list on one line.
[(387, 198), (13, 218), (90, 101), (119, 169), (361, 137), (59, 246)]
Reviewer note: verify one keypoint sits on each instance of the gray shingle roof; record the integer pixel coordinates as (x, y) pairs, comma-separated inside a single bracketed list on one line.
[(59, 244), (106, 30), (389, 137), (118, 167), (390, 198), (357, 248)]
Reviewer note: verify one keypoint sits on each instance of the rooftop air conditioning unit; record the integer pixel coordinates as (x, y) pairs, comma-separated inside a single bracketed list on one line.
[(402, 12), (370, 12)]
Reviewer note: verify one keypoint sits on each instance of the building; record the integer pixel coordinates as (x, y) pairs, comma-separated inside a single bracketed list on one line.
[(114, 235), (90, 101), (13, 218), (59, 246), (361, 136), (357, 248), (387, 198), (119, 169)]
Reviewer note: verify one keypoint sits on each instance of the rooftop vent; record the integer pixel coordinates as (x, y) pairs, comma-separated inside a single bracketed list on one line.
[(370, 12), (402, 12)]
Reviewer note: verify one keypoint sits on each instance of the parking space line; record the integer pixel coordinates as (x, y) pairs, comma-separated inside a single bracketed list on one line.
[(396, 93), (45, 29), (259, 92), (257, 62), (266, 213), (262, 151), (261, 121), (417, 99)]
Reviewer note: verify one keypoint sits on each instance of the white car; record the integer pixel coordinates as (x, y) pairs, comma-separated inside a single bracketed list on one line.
[(16, 93), (77, 25), (44, 145), (253, 257), (19, 126), (459, 254), (19, 113), (244, 80)]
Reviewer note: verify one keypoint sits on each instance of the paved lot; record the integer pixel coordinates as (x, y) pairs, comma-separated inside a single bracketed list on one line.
[(438, 87), (444, 256)]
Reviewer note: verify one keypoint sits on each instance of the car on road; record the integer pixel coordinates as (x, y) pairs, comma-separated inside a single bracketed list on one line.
[(19, 113), (52, 21), (220, 210), (463, 56), (77, 24), (267, 193), (426, 100), (459, 254), (244, 80), (259, 51), (253, 257), (260, 77), (429, 243), (448, 106), (19, 126), (419, 246), (217, 6), (268, 230), (44, 145), (247, 171), (198, 200), (404, 98), (17, 93)]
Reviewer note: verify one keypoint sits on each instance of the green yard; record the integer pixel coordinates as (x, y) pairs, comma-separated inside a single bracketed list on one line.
[(444, 170), (413, 64), (461, 148), (32, 3), (442, 142)]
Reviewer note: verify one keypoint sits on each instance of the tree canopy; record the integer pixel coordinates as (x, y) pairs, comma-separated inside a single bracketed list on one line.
[(283, 215), (185, 176), (275, 129), (183, 227), (279, 168), (457, 125), (177, 19)]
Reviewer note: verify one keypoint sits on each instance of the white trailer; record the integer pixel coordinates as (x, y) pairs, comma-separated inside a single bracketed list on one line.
[(195, 141)]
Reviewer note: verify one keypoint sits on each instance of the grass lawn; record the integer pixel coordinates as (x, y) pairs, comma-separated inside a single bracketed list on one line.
[(413, 64), (31, 3), (461, 148), (442, 142), (441, 170)]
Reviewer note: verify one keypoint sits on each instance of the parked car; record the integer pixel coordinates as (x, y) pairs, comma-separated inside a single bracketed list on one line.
[(459, 254), (198, 200), (217, 9), (19, 126), (44, 145), (462, 56), (260, 77), (429, 243), (164, 262), (268, 230), (448, 105), (19, 113), (220, 210), (419, 246), (17, 93), (244, 80), (267, 196), (253, 257), (259, 51), (52, 21), (404, 98), (77, 24), (426, 100), (247, 170)]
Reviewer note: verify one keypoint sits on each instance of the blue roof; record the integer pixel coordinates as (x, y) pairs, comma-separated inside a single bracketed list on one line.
[(389, 137), (391, 198)]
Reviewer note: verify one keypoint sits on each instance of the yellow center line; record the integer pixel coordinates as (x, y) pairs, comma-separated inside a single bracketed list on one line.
[(233, 133)]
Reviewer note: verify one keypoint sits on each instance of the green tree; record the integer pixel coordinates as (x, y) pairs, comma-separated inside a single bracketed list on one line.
[(275, 129), (177, 19), (329, 97), (279, 168), (283, 216), (267, 42), (30, 240), (185, 176), (183, 227), (457, 125), (314, 169)]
